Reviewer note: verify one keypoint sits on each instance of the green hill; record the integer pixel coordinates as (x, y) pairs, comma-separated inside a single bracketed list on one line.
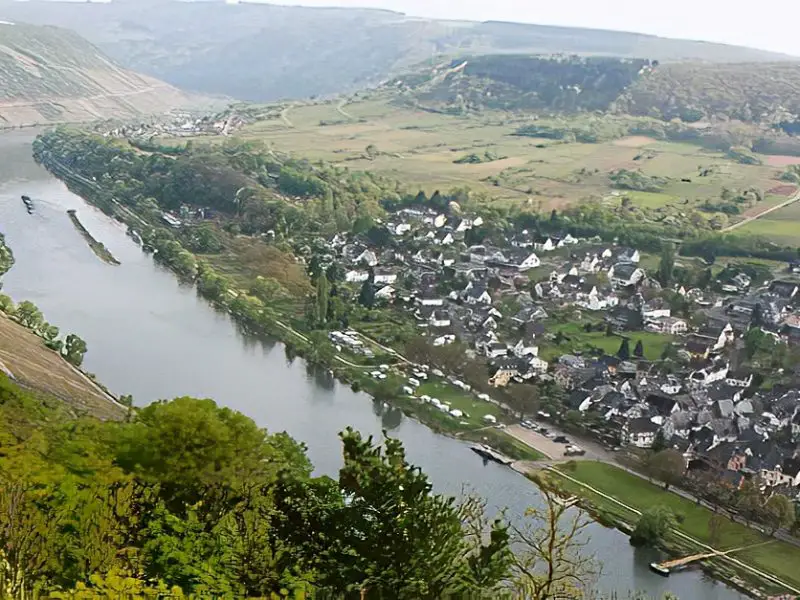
[(264, 52), (48, 74), (692, 91)]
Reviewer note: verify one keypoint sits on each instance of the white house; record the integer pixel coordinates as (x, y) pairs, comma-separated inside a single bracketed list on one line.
[(521, 349), (544, 243), (593, 300), (538, 365), (640, 432), (739, 380), (496, 349), (386, 276), (476, 294), (530, 262), (367, 257), (385, 293), (590, 264), (630, 255), (439, 221), (625, 274), (569, 240), (669, 325), (430, 298), (710, 374), (402, 228), (439, 318), (444, 239), (356, 276)]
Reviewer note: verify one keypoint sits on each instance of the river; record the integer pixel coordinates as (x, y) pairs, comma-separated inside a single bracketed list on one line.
[(152, 337)]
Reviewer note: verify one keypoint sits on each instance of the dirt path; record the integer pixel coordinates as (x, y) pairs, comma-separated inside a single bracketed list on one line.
[(285, 116), (340, 109), (743, 222)]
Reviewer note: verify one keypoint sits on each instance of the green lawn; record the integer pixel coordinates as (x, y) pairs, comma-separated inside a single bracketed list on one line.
[(778, 558), (581, 341), (474, 410)]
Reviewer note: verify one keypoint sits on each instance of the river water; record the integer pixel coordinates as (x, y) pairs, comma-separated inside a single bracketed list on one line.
[(152, 337)]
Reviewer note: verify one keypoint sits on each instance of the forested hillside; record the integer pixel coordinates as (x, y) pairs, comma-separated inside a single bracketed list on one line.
[(52, 74), (516, 82), (695, 91), (264, 52), (187, 498), (752, 92)]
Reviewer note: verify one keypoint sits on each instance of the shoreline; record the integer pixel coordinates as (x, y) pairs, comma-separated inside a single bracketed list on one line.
[(297, 344), (97, 247)]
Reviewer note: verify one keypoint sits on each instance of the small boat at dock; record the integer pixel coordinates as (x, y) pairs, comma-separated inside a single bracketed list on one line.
[(657, 568), (490, 453)]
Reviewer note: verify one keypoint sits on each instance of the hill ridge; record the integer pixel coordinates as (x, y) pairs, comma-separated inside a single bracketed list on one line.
[(315, 51)]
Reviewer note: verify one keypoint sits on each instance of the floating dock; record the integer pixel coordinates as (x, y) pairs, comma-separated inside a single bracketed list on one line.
[(490, 453)]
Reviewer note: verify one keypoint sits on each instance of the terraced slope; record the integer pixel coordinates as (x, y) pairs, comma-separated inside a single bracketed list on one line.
[(49, 74)]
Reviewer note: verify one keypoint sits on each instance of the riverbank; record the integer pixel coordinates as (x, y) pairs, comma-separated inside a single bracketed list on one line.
[(97, 247), (617, 498), (267, 322)]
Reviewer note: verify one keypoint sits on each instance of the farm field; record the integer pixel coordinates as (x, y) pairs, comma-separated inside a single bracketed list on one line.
[(420, 148), (782, 226)]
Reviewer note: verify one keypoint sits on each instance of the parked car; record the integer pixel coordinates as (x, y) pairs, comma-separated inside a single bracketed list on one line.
[(574, 451), (561, 439), (527, 425)]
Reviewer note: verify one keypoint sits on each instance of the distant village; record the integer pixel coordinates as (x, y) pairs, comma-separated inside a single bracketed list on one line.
[(500, 300)]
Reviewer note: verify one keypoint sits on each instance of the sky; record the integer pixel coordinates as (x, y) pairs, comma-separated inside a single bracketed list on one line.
[(768, 24)]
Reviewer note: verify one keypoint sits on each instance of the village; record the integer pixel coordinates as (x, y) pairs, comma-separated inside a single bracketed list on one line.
[(630, 362)]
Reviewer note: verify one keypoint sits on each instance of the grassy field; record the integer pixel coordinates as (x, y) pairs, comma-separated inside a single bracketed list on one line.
[(777, 558), (34, 365), (474, 410), (781, 225), (420, 147), (579, 340)]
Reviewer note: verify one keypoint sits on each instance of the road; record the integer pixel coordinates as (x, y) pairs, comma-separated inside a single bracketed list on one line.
[(738, 563), (743, 222)]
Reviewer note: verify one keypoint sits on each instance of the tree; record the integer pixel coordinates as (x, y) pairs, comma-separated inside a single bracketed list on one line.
[(7, 305), (638, 351), (716, 522), (323, 292), (398, 539), (29, 315), (421, 199), (195, 450), (624, 352), (609, 330), (74, 349), (49, 332), (652, 526), (778, 512), (659, 443), (666, 266), (366, 297), (667, 465), (549, 561)]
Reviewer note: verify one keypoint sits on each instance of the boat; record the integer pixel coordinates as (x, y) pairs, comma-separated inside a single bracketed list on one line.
[(657, 568), (489, 453), (26, 200)]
